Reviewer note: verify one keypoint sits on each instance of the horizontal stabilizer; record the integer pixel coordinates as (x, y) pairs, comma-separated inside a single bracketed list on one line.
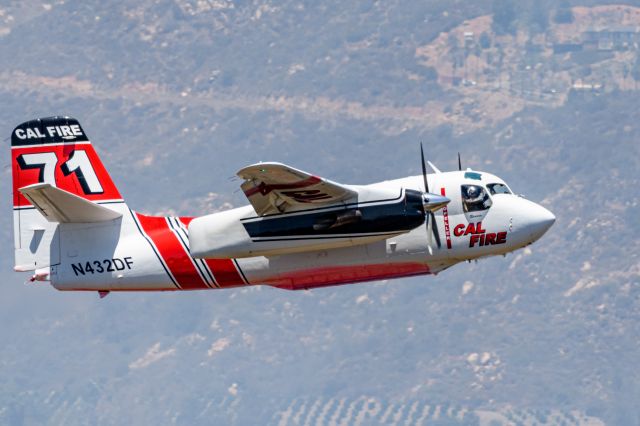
[(58, 205)]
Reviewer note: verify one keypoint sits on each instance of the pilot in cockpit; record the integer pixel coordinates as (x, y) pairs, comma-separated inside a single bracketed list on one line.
[(475, 198)]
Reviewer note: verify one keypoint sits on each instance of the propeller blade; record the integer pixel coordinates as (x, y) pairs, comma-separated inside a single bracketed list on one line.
[(459, 162), (431, 202), (434, 227), (429, 233), (424, 169)]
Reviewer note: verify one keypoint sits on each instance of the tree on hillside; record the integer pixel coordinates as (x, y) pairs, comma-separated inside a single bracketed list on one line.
[(504, 16), (538, 18), (635, 72), (564, 14), (485, 41)]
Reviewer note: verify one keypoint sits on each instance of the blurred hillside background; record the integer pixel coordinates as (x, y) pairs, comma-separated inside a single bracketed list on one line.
[(179, 94)]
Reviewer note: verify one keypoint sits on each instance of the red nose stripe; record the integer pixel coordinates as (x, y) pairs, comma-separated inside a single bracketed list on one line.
[(445, 215)]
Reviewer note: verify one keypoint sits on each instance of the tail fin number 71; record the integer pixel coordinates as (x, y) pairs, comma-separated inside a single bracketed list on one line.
[(78, 164)]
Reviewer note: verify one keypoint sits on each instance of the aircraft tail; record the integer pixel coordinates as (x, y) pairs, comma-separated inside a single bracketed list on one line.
[(57, 178)]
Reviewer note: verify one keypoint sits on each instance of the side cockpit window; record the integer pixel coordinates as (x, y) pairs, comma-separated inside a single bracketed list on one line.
[(474, 198), (498, 188)]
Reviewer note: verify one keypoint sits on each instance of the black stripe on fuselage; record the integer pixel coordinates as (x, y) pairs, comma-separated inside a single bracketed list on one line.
[(324, 237), (360, 220), (244, 278), (326, 208)]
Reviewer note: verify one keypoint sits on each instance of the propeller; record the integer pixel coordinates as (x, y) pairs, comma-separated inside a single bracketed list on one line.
[(431, 202)]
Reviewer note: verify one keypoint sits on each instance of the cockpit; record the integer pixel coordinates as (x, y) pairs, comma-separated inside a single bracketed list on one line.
[(498, 188), (476, 197)]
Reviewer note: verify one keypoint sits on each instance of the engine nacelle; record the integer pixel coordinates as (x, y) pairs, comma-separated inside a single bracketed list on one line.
[(239, 233)]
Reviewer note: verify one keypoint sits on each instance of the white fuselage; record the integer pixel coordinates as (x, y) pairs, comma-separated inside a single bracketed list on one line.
[(509, 223)]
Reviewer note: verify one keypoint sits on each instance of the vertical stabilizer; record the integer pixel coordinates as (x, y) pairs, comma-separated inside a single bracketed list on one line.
[(57, 152)]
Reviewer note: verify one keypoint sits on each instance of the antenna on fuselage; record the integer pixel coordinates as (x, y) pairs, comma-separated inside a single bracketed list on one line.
[(459, 162)]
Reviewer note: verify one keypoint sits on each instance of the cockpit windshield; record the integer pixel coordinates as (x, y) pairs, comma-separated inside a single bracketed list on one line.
[(474, 198), (498, 188)]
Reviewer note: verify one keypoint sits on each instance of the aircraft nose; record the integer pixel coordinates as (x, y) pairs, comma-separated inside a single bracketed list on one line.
[(546, 218), (540, 220)]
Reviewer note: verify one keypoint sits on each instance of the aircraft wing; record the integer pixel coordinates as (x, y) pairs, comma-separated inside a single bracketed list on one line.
[(277, 188)]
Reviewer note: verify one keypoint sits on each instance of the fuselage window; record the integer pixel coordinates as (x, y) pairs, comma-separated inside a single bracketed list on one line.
[(498, 188), (474, 198)]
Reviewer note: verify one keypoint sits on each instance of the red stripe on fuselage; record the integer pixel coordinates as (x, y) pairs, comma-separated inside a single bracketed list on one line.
[(172, 252), (337, 275), (224, 271)]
